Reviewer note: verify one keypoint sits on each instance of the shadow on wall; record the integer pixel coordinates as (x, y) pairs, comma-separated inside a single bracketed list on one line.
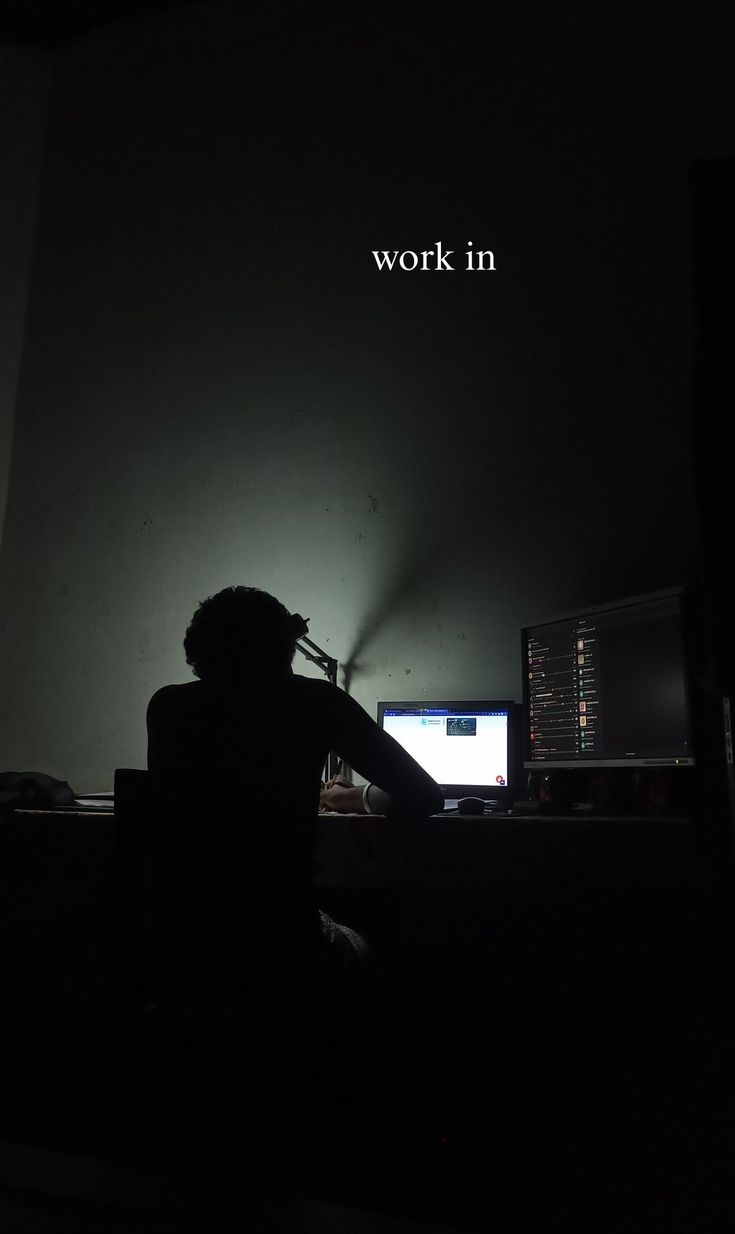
[(444, 555), (404, 590)]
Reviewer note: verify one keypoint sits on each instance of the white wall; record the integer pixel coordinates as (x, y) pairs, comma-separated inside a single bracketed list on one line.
[(219, 387)]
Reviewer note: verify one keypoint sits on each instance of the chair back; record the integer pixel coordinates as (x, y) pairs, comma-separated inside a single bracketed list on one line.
[(208, 906)]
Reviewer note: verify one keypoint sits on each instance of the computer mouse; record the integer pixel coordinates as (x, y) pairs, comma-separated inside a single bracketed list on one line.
[(471, 805)]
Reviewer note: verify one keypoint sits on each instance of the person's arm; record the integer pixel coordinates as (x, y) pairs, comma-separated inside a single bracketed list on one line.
[(396, 782)]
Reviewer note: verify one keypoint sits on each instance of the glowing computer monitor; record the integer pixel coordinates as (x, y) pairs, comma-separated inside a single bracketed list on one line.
[(608, 686), (465, 746)]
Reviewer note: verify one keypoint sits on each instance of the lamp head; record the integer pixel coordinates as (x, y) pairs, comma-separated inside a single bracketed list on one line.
[(300, 625)]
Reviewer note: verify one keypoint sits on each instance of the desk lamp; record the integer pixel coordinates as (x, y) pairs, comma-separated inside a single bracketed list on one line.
[(326, 663)]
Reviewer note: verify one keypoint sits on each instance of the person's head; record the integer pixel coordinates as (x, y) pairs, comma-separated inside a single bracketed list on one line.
[(241, 630)]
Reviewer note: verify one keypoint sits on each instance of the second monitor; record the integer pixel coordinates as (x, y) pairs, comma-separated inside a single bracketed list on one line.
[(465, 746)]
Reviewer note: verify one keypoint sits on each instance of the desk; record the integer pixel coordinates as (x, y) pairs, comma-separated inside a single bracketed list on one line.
[(501, 851), (53, 862), (442, 885)]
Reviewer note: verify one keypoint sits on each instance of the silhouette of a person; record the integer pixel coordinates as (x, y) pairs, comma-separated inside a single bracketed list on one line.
[(250, 737)]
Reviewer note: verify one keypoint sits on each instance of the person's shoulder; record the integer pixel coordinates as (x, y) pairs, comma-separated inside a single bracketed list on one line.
[(173, 695), (317, 692), (318, 687)]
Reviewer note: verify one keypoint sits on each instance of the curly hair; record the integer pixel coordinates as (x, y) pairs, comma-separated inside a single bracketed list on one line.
[(237, 628)]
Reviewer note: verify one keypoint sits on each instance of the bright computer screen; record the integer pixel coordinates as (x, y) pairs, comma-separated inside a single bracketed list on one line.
[(463, 745), (608, 686)]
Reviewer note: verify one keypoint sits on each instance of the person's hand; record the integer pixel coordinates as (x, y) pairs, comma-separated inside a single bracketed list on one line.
[(340, 796), (339, 781)]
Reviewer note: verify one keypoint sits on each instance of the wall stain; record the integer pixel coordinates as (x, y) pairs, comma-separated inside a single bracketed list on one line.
[(373, 503)]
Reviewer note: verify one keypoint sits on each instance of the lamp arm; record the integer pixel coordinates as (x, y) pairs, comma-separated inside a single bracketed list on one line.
[(329, 667), (325, 662)]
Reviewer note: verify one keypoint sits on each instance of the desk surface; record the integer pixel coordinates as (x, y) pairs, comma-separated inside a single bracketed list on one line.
[(445, 850)]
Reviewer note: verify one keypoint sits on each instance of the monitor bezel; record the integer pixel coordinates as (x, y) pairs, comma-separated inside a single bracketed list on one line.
[(598, 763), (501, 793)]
